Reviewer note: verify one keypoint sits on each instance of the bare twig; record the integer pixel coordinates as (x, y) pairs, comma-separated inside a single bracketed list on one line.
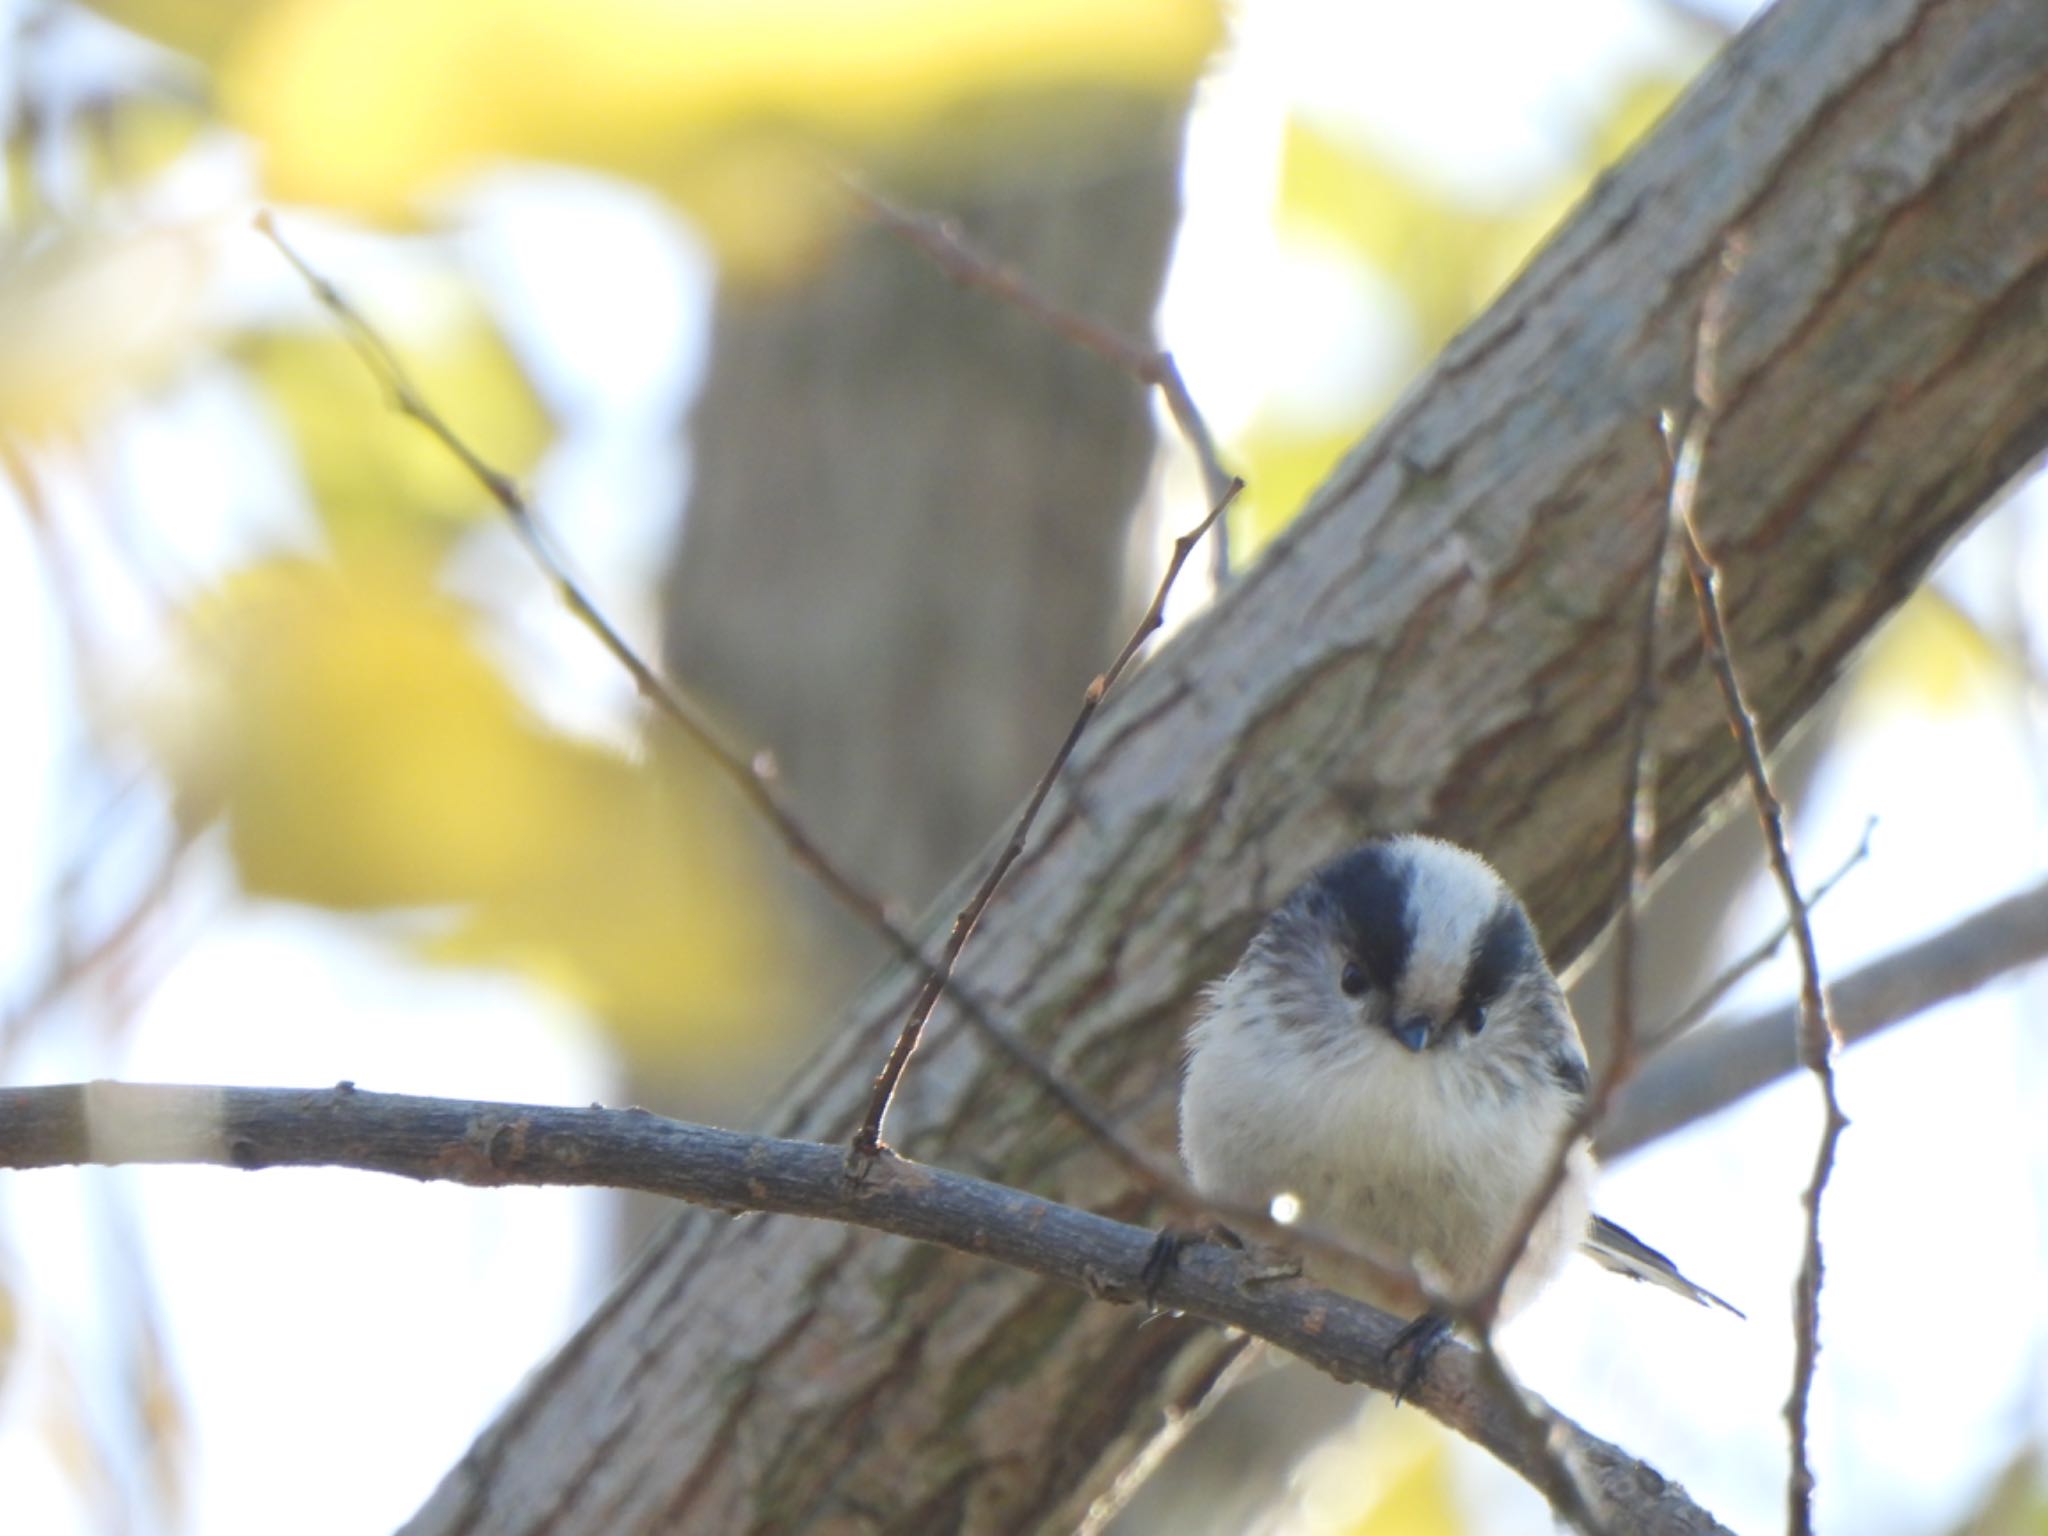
[(867, 1141), (1817, 1037), (519, 1144), (1638, 846), (746, 771), (1165, 1182), (1638, 843), (1639, 791), (940, 241), (1690, 1016), (1716, 1067)]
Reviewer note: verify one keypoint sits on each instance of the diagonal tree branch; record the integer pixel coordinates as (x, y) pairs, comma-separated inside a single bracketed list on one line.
[(489, 1144), (1431, 645)]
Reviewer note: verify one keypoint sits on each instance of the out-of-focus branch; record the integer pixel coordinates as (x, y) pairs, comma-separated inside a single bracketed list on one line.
[(1697, 1011), (1718, 1065), (503, 1144)]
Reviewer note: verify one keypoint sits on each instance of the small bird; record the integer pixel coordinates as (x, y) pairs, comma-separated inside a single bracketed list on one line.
[(1394, 1053)]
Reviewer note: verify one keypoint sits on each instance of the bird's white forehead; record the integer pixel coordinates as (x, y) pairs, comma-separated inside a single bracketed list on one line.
[(1452, 894)]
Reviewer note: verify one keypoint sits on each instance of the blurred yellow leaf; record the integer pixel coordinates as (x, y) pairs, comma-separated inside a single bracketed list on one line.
[(1932, 658), (118, 143), (86, 320), (376, 105), (10, 1329), (652, 916), (1416, 1499), (1282, 466), (1633, 112), (1446, 257), (1433, 247), (1385, 1474), (366, 755), (373, 475), (202, 28)]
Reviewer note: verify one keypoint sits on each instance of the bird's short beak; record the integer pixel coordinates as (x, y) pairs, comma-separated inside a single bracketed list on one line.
[(1413, 1031)]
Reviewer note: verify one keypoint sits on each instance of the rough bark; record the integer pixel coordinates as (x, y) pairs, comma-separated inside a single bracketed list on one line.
[(1440, 641)]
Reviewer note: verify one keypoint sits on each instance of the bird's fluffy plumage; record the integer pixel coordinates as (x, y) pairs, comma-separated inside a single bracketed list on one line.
[(1394, 1052)]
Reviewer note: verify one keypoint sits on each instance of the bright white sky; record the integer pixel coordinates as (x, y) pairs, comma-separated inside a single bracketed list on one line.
[(262, 1284)]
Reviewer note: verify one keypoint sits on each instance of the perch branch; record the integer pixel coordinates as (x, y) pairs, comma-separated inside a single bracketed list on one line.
[(505, 1144)]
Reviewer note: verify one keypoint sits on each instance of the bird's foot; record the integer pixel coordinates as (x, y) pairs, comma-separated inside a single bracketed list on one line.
[(1408, 1356)]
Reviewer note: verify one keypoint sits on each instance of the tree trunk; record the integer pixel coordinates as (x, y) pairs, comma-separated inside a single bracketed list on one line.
[(904, 553), (1445, 639)]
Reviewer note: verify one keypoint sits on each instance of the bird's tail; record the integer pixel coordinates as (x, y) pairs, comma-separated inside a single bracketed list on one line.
[(1622, 1251)]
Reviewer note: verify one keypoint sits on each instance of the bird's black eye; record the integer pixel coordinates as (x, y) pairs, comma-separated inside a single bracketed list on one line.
[(1475, 1018), (1353, 980)]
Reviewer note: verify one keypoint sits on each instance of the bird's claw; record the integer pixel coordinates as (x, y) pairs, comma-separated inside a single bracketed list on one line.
[(1409, 1355)]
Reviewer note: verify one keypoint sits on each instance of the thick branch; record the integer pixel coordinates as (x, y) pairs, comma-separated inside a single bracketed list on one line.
[(496, 1144), (1433, 644)]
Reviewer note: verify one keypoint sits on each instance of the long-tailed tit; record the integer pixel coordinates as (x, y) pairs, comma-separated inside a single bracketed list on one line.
[(1394, 1054)]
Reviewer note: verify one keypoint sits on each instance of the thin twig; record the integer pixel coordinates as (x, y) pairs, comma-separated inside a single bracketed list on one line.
[(867, 1141), (1164, 1182), (1639, 789), (1693, 1013), (940, 241), (1638, 844), (1817, 1037), (746, 771), (490, 1144), (1638, 847)]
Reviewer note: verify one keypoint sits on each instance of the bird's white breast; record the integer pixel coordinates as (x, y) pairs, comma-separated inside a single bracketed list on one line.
[(1382, 1148)]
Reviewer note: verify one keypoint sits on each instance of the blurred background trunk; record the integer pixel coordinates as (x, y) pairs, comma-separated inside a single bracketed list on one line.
[(904, 554)]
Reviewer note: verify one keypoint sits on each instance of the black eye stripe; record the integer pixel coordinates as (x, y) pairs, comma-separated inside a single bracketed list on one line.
[(1368, 891), (1506, 948)]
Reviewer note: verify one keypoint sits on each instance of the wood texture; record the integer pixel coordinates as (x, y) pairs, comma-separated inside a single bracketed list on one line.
[(1436, 643)]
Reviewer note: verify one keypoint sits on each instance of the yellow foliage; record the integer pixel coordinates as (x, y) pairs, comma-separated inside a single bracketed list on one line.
[(1416, 1499), (86, 319), (373, 476), (1446, 257), (1434, 248), (1932, 658), (1386, 1474), (10, 1329), (375, 106), (202, 28), (367, 756), (1282, 465), (125, 141)]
